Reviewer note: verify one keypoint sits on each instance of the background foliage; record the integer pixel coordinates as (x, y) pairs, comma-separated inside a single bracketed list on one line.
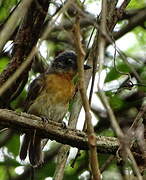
[(124, 90)]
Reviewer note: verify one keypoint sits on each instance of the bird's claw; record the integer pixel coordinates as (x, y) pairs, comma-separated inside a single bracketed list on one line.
[(45, 119), (63, 125)]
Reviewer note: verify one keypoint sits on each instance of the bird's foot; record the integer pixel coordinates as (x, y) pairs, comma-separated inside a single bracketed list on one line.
[(63, 125), (45, 119)]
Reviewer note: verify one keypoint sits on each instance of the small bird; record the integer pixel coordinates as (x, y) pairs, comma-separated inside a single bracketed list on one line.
[(49, 96)]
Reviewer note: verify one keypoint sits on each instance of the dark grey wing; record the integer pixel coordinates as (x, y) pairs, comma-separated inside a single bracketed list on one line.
[(32, 142), (34, 90)]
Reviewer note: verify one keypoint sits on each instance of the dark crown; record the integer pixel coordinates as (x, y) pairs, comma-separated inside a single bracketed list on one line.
[(65, 61)]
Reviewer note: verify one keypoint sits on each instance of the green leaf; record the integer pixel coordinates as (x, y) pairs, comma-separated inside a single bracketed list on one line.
[(9, 162), (107, 132), (115, 101), (136, 4), (47, 171), (2, 173), (13, 145), (114, 74), (3, 13), (6, 7), (3, 62)]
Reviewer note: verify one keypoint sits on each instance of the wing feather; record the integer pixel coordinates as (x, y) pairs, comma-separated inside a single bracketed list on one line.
[(34, 90)]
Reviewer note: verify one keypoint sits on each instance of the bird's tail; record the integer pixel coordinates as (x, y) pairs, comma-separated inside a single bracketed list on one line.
[(32, 145), (35, 151), (24, 146)]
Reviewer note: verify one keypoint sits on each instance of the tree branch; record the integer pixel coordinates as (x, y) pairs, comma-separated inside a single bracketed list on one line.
[(90, 129), (135, 21), (11, 23), (23, 122), (25, 40)]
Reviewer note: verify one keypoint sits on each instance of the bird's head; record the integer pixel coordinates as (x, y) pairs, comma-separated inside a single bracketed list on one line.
[(66, 62)]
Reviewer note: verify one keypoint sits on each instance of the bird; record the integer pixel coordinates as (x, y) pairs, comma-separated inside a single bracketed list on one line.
[(49, 96)]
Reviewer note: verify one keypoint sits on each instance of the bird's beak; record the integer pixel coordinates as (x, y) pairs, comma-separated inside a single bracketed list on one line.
[(86, 67)]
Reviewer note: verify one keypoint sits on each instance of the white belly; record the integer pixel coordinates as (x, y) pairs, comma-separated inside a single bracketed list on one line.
[(44, 106)]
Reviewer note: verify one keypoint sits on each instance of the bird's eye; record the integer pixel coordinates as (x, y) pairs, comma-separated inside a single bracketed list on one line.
[(69, 61), (59, 64)]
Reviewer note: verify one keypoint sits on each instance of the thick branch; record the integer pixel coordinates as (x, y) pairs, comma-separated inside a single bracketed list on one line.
[(128, 14), (11, 23), (25, 40), (135, 21), (23, 122)]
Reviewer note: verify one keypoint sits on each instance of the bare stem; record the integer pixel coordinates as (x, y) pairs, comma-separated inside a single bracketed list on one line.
[(90, 130), (114, 123)]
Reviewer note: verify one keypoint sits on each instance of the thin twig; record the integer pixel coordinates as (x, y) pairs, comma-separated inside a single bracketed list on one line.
[(119, 133), (137, 120), (122, 8), (61, 162), (114, 123), (102, 41), (90, 130), (107, 163)]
